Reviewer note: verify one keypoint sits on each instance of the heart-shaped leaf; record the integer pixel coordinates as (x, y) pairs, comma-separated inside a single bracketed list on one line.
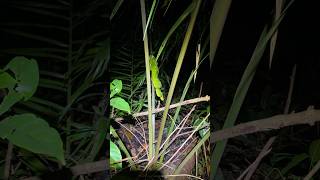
[(26, 73), (115, 87), (23, 85), (6, 80), (120, 104), (34, 134)]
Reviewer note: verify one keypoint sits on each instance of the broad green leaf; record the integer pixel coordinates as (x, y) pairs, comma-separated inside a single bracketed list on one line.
[(115, 87), (9, 100), (297, 159), (34, 134), (26, 73), (115, 156), (26, 77), (314, 151), (32, 162), (6, 81), (120, 104)]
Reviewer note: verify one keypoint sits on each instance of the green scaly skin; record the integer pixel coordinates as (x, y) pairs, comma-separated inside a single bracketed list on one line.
[(154, 76)]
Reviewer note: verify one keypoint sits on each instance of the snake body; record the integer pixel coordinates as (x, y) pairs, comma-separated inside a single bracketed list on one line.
[(154, 76)]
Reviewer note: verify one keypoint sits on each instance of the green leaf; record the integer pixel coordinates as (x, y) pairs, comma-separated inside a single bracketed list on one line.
[(26, 73), (115, 156), (120, 104), (297, 159), (115, 87), (34, 134), (26, 77), (6, 80), (9, 100), (314, 151)]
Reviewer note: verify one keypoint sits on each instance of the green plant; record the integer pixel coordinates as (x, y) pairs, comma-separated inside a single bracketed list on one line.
[(26, 130), (118, 102), (121, 104), (243, 87), (152, 75), (313, 156), (73, 56)]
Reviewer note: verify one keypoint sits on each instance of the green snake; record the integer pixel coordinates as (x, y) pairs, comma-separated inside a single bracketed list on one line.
[(154, 76)]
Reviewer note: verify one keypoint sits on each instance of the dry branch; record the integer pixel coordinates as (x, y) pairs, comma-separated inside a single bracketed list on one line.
[(251, 169), (313, 171), (190, 101), (7, 165), (310, 116)]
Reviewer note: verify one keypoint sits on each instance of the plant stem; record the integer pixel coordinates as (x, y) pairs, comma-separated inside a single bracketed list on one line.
[(173, 122), (122, 147), (191, 153), (146, 57), (177, 71), (69, 90), (7, 166)]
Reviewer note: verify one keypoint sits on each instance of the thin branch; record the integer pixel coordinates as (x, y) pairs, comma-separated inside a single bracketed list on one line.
[(251, 169), (310, 116), (7, 165), (313, 171), (190, 101)]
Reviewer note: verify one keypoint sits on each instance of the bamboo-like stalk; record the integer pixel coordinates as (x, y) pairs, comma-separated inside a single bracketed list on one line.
[(146, 57), (177, 71)]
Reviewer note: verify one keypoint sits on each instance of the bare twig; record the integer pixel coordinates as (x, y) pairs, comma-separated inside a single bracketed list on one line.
[(313, 171), (251, 169), (310, 116), (8, 162), (190, 101), (185, 141)]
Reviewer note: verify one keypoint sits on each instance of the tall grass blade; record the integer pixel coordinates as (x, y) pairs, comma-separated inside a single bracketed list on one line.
[(217, 19), (243, 88), (115, 9), (151, 14), (196, 4), (279, 4), (148, 78), (173, 28)]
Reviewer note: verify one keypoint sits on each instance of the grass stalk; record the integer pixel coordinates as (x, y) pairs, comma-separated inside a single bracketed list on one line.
[(147, 64), (177, 71), (242, 89)]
